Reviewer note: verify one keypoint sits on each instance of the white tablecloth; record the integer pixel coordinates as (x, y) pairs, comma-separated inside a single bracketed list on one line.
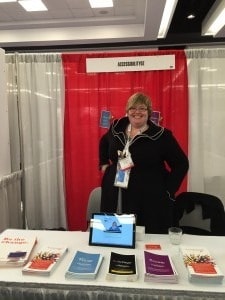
[(14, 285)]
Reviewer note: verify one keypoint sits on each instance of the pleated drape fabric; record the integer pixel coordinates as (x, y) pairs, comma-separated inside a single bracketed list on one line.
[(88, 94)]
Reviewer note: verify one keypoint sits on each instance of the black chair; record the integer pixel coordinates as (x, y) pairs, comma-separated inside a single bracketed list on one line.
[(211, 208)]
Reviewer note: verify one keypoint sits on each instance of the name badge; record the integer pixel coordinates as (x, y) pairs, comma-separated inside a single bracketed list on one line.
[(126, 162), (122, 178)]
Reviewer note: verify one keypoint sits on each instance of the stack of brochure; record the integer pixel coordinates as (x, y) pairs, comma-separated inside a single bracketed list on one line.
[(84, 265), (200, 265), (159, 268), (45, 260), (122, 267), (16, 248)]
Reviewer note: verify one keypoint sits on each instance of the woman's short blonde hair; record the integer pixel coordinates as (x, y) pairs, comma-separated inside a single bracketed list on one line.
[(137, 99)]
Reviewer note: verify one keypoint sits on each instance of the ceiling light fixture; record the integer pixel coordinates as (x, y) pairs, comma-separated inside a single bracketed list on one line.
[(32, 5), (191, 16), (5, 1), (215, 19), (167, 17), (101, 3)]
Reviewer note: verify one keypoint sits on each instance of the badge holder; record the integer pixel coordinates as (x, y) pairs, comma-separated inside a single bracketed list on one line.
[(124, 166), (122, 178)]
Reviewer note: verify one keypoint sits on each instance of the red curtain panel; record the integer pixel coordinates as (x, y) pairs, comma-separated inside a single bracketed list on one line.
[(88, 94)]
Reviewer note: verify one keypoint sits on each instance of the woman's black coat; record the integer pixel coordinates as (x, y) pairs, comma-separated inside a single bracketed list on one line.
[(160, 166)]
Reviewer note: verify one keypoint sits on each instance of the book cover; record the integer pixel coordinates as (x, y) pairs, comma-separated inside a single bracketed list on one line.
[(84, 265), (157, 264), (45, 260), (159, 267), (122, 267), (200, 264), (16, 248)]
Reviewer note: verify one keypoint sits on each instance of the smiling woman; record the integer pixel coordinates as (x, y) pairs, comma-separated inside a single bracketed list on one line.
[(134, 154)]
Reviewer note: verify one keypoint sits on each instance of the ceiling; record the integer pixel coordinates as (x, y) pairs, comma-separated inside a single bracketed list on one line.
[(73, 24)]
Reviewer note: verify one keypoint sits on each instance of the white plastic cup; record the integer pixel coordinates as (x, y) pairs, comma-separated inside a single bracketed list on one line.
[(175, 235)]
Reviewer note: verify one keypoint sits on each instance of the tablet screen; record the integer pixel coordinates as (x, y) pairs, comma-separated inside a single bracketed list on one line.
[(112, 230)]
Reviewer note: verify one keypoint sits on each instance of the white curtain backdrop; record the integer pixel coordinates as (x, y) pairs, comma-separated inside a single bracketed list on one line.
[(37, 80), (10, 201), (206, 69), (40, 101), (12, 95)]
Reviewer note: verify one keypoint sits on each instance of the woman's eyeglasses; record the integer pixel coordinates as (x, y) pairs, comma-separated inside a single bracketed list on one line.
[(139, 109)]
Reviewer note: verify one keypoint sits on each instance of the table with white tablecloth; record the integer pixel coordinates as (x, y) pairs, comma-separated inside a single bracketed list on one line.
[(14, 285)]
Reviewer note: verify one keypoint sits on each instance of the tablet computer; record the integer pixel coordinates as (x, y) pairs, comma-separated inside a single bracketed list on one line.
[(112, 230)]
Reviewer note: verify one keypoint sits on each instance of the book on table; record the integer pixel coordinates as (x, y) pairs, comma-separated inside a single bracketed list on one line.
[(45, 260), (201, 265), (122, 267), (84, 265), (159, 267), (16, 248)]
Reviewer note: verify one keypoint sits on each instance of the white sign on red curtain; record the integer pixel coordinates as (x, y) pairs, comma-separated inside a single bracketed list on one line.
[(130, 63)]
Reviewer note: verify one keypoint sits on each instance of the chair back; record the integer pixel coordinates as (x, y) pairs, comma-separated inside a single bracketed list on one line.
[(94, 202), (200, 213), (194, 218)]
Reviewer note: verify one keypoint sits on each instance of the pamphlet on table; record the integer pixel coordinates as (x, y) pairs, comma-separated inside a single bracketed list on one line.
[(84, 265), (201, 265), (45, 260), (122, 267), (159, 267), (16, 248)]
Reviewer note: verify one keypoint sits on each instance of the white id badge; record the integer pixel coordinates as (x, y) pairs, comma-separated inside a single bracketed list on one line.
[(126, 162), (122, 178)]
